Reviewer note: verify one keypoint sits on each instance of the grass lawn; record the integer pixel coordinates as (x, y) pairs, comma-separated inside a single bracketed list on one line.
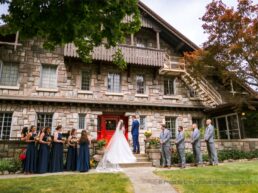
[(227, 178), (77, 183)]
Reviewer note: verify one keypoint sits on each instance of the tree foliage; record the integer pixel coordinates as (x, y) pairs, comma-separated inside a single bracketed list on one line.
[(87, 23), (231, 50)]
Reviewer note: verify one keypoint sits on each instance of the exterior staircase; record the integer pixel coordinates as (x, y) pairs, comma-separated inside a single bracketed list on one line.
[(175, 66), (142, 161), (205, 91)]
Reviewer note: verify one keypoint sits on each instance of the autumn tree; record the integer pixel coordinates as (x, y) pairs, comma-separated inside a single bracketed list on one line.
[(87, 23), (231, 51)]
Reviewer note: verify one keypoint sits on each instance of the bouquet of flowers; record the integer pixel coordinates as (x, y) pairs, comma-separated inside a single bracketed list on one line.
[(74, 140), (49, 139), (147, 133), (22, 155)]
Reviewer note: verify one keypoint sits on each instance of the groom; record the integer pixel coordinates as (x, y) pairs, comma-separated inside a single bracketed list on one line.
[(135, 135)]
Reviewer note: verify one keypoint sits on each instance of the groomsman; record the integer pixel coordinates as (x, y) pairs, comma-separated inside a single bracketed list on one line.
[(165, 137), (209, 139), (196, 143), (180, 145)]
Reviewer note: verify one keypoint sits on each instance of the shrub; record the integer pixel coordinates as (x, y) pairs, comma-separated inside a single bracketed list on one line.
[(4, 165), (10, 165), (101, 143)]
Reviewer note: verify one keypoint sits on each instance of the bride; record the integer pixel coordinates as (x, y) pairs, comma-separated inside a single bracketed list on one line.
[(118, 151)]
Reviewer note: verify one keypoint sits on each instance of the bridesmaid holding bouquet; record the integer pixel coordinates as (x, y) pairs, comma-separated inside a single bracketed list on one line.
[(44, 150), (30, 163), (83, 163), (72, 151), (56, 164)]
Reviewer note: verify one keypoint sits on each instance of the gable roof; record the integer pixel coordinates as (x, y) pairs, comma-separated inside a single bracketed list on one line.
[(167, 26)]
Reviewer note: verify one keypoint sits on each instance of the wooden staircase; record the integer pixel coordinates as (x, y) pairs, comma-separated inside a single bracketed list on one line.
[(142, 161), (206, 92)]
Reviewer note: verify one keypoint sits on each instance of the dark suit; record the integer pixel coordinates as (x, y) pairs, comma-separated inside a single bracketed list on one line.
[(135, 135)]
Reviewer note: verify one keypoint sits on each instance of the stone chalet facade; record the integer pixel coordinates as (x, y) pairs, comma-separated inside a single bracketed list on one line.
[(43, 88)]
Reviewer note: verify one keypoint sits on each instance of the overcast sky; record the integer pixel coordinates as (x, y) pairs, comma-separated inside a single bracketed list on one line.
[(182, 14)]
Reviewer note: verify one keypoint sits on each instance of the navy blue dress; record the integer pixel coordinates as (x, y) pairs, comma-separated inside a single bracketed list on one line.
[(43, 155), (56, 164), (30, 162), (71, 157), (83, 162)]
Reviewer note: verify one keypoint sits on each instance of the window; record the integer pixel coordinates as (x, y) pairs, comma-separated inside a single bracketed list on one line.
[(82, 121), (85, 80), (111, 125), (192, 93), (198, 121), (142, 122), (5, 125), (44, 120), (113, 82), (228, 126), (48, 76), (8, 74), (171, 125), (140, 87), (169, 86)]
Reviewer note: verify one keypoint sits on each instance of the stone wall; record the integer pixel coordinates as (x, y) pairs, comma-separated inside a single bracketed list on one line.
[(31, 56)]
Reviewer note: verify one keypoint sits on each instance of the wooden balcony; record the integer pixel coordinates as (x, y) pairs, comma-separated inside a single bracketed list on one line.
[(132, 54), (173, 66)]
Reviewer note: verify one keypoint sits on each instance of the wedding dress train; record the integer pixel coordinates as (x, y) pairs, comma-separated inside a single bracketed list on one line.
[(118, 151)]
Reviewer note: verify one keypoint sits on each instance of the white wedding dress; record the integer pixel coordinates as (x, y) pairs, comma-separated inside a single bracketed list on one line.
[(118, 151)]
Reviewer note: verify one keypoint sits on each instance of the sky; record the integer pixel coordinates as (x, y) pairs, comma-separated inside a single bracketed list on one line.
[(184, 15)]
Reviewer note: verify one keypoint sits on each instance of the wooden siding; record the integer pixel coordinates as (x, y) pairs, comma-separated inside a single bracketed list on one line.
[(132, 54)]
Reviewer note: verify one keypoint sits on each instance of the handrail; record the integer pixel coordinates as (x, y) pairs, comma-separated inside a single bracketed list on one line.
[(207, 88)]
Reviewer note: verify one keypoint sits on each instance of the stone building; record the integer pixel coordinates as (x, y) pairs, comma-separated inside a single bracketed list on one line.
[(43, 88)]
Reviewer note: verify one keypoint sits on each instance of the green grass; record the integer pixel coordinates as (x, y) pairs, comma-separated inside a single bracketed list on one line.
[(228, 178), (77, 183)]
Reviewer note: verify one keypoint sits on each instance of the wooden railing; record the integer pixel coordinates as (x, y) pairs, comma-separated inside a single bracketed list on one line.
[(132, 54), (173, 65)]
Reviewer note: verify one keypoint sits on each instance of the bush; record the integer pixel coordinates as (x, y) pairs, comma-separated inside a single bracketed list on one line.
[(4, 165), (10, 165), (222, 155)]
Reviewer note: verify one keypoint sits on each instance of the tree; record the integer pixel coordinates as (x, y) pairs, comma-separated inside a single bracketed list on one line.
[(231, 50), (87, 23)]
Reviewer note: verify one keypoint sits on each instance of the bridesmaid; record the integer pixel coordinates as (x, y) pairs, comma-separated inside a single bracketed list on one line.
[(56, 164), (44, 150), (30, 163), (83, 163), (72, 151), (24, 134)]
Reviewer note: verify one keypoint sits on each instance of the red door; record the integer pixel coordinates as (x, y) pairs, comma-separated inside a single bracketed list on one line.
[(108, 125)]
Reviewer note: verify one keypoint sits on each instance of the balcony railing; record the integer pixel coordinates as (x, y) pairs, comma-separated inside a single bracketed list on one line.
[(173, 66), (132, 54)]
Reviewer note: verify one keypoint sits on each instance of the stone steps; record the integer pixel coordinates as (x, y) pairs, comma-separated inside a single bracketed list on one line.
[(137, 164), (142, 161)]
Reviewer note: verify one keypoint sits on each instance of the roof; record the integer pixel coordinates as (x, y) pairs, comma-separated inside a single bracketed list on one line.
[(167, 26)]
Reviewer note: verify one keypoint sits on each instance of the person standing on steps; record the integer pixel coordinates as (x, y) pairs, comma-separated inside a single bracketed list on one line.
[(165, 137), (209, 139), (135, 135)]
